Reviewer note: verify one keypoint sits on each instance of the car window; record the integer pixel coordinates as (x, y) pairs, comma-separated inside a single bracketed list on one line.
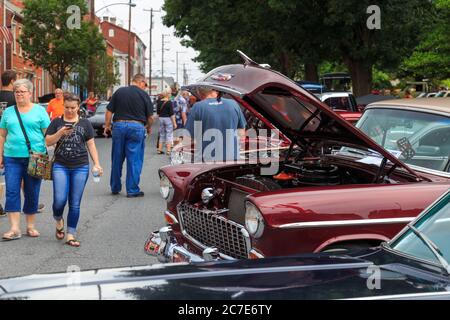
[(338, 103), (435, 225), (288, 110), (427, 134)]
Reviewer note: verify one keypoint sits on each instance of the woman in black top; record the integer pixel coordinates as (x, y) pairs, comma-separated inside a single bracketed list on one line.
[(74, 139), (167, 122)]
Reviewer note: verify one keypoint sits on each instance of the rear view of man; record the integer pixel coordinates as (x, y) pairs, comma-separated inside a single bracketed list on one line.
[(222, 124), (133, 111)]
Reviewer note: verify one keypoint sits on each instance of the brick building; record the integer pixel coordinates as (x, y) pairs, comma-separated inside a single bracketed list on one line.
[(117, 36), (11, 54)]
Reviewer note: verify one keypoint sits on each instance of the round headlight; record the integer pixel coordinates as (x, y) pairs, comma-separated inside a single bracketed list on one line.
[(254, 221), (165, 187)]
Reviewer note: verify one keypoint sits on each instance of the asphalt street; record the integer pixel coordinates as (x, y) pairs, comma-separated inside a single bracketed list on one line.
[(112, 229)]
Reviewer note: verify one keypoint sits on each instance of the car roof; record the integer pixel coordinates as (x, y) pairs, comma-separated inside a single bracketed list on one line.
[(334, 95), (439, 105)]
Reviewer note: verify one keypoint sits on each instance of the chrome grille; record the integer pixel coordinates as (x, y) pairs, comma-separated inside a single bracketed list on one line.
[(210, 229)]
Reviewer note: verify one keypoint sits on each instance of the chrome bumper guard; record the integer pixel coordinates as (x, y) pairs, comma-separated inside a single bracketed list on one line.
[(163, 245)]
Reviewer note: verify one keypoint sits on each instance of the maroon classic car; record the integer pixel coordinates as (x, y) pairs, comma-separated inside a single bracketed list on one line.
[(333, 189)]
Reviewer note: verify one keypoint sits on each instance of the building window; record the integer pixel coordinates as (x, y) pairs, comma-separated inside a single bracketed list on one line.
[(13, 31), (20, 47), (111, 33)]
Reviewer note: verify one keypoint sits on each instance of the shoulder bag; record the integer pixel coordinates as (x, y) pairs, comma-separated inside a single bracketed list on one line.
[(40, 165)]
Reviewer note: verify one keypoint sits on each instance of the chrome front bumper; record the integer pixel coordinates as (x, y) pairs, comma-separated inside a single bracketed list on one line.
[(163, 245)]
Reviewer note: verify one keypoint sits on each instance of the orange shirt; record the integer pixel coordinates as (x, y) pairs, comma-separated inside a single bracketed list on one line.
[(55, 108)]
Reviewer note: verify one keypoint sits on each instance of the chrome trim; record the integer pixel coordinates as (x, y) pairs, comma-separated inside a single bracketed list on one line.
[(196, 242), (168, 213), (430, 171), (256, 253), (203, 247), (343, 223), (405, 296)]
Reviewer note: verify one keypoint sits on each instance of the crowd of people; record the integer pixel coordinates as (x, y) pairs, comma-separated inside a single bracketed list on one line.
[(27, 128)]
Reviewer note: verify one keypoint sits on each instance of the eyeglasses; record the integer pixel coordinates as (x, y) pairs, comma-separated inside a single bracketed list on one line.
[(20, 92)]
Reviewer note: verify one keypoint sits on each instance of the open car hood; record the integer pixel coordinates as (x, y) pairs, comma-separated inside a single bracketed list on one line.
[(298, 114)]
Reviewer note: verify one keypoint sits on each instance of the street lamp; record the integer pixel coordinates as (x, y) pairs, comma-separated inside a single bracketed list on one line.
[(91, 67), (116, 4)]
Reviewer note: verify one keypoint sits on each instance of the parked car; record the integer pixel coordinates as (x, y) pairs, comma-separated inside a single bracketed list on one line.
[(363, 101), (415, 130), (414, 265), (333, 189), (98, 119), (343, 103), (443, 94), (313, 87)]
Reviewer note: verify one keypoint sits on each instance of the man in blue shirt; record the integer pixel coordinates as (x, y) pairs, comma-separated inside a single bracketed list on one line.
[(216, 124)]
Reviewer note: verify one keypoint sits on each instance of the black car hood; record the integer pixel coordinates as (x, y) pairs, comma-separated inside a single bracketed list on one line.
[(298, 114), (316, 276)]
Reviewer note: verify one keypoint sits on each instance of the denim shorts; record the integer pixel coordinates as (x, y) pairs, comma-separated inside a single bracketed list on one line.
[(15, 172)]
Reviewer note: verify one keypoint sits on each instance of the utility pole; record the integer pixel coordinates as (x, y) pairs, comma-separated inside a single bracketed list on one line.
[(185, 75), (150, 47), (177, 62), (91, 62), (129, 43), (162, 62)]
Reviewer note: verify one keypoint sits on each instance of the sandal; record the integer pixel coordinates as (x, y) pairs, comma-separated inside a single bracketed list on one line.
[(60, 234), (73, 243), (33, 233), (11, 235), (159, 152)]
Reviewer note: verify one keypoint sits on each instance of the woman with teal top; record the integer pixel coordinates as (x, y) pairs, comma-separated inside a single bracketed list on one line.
[(14, 157)]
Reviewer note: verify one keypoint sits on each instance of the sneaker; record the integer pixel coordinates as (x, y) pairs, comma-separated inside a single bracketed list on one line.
[(41, 207), (135, 195)]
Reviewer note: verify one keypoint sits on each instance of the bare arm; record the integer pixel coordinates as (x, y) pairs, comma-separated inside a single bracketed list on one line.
[(174, 122), (3, 134), (183, 118), (53, 139), (108, 118), (94, 155), (149, 125)]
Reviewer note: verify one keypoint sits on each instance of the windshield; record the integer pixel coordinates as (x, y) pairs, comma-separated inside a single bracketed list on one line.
[(435, 225), (417, 138)]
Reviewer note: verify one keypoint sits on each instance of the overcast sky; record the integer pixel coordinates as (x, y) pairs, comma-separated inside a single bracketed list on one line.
[(140, 24)]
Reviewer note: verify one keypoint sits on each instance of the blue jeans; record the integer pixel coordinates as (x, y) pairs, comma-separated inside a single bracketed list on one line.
[(69, 184), (128, 141), (15, 172)]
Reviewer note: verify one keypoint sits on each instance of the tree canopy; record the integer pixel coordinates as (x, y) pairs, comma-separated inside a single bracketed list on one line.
[(296, 36), (49, 42)]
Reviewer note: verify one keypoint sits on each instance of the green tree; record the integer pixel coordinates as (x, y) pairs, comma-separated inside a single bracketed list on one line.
[(49, 42), (105, 70), (431, 58), (361, 48)]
